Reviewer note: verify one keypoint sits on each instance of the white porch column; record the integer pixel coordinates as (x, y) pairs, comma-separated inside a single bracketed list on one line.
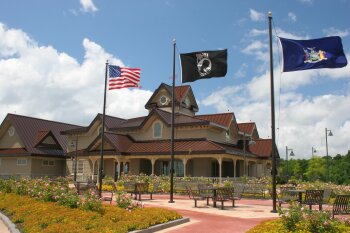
[(93, 161), (184, 162), (220, 169), (153, 161)]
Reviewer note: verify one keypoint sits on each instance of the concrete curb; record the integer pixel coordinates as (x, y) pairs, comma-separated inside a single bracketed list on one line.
[(10, 225), (163, 226)]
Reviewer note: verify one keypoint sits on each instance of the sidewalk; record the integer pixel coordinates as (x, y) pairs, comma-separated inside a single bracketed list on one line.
[(246, 214)]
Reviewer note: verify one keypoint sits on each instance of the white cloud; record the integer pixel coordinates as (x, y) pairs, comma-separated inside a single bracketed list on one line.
[(257, 32), (256, 48), (88, 6), (292, 16), (42, 82), (300, 120), (336, 32), (306, 1), (255, 15)]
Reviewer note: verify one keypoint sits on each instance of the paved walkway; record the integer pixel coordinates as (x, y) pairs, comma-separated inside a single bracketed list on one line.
[(247, 214)]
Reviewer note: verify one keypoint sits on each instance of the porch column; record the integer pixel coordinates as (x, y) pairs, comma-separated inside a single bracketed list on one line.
[(118, 167), (93, 161), (184, 162), (220, 169), (234, 168), (153, 161)]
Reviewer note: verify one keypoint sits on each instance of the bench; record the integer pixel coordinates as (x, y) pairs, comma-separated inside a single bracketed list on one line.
[(313, 197), (206, 191), (137, 189), (286, 196), (180, 186), (341, 205), (254, 190), (225, 194), (194, 195)]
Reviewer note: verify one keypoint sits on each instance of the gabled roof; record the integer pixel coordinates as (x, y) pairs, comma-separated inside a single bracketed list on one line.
[(262, 148), (42, 135), (110, 122), (33, 130), (180, 93), (223, 119), (120, 143)]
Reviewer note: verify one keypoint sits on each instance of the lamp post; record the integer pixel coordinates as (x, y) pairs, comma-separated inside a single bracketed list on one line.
[(291, 154), (327, 159), (75, 143), (313, 150)]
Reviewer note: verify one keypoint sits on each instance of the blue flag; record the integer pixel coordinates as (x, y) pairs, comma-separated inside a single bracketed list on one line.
[(319, 53)]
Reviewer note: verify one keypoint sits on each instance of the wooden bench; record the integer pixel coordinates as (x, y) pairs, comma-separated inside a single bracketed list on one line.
[(180, 186), (341, 205), (206, 191)]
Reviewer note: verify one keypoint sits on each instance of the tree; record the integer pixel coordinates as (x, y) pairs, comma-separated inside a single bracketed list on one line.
[(316, 169)]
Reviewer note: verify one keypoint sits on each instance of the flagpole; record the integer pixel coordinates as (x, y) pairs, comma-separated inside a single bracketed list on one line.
[(273, 172), (102, 135), (172, 131)]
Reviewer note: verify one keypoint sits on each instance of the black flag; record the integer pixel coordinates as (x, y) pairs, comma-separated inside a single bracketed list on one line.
[(203, 64)]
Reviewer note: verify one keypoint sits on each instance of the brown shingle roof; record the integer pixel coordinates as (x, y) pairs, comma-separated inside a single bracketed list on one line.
[(181, 147), (262, 148), (28, 127), (247, 128), (223, 119), (13, 151)]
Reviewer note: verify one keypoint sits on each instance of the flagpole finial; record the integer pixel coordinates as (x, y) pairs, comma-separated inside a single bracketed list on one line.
[(174, 41), (269, 14)]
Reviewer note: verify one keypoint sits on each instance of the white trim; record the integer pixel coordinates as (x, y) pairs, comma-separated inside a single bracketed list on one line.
[(22, 164)]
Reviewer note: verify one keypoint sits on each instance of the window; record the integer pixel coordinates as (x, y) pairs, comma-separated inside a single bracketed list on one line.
[(80, 166), (227, 134), (21, 162), (48, 162), (157, 130)]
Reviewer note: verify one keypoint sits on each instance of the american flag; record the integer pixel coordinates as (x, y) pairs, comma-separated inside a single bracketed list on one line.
[(120, 77)]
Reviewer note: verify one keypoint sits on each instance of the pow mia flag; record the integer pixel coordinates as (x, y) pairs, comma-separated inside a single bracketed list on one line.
[(203, 64)]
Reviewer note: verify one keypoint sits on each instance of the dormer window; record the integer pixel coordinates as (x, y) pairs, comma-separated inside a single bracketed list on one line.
[(227, 134), (187, 102), (157, 130)]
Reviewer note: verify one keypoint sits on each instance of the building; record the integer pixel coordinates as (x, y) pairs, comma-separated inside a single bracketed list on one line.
[(212, 145), (32, 147)]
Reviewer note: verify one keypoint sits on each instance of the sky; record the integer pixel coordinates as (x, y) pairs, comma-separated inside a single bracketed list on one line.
[(53, 55)]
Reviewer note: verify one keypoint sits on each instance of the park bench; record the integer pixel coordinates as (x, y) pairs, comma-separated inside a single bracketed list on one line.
[(313, 197), (326, 196), (341, 205), (137, 189), (194, 195), (225, 194), (254, 190), (286, 196), (180, 186), (206, 191)]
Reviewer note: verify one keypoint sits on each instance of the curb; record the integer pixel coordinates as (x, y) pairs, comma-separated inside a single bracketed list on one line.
[(10, 225), (162, 226)]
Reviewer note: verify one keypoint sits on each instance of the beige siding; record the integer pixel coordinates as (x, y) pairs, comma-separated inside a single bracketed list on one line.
[(201, 167), (8, 141), (9, 166), (38, 169)]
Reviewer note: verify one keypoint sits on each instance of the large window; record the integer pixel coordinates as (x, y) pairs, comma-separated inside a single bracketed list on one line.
[(80, 166), (157, 130), (21, 162), (48, 162)]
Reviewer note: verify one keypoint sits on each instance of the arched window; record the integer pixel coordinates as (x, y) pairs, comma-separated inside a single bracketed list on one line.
[(157, 130)]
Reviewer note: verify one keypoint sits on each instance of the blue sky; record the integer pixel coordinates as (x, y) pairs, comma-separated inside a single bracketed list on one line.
[(52, 56)]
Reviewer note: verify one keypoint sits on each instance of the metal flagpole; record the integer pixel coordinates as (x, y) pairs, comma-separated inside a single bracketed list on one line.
[(101, 172), (172, 131), (274, 170)]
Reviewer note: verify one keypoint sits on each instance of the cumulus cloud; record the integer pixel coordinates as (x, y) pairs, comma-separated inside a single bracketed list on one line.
[(255, 15), (42, 82), (336, 32), (88, 6), (292, 16), (300, 120)]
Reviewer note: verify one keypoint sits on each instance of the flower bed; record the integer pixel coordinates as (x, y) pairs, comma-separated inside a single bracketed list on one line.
[(35, 216)]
